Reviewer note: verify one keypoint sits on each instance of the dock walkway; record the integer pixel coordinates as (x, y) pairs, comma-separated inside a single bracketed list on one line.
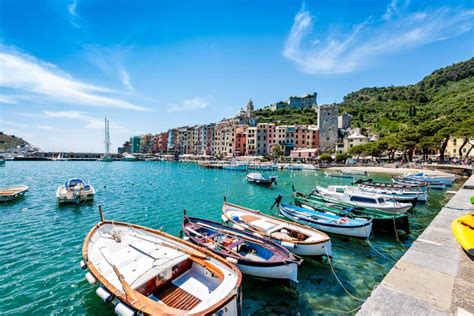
[(435, 276)]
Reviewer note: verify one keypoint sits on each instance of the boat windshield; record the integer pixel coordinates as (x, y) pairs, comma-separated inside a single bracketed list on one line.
[(381, 200), (73, 182)]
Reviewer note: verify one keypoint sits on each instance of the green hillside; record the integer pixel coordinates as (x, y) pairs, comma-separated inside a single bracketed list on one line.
[(414, 117), (10, 141)]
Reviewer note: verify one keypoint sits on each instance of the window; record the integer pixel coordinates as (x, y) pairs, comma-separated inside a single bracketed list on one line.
[(362, 199)]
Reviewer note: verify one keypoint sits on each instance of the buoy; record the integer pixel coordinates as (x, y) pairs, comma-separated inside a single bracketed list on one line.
[(90, 278), (104, 295), (288, 245), (82, 264), (232, 260), (123, 310)]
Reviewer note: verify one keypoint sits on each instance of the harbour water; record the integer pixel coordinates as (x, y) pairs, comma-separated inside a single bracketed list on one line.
[(41, 242)]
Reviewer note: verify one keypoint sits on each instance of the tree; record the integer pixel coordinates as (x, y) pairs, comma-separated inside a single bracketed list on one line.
[(277, 152), (326, 158), (341, 157)]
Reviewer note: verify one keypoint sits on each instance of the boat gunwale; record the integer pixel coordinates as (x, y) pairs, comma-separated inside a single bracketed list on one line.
[(278, 219), (234, 293)]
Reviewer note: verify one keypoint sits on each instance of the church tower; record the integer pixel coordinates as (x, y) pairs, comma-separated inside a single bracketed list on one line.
[(327, 123), (250, 108)]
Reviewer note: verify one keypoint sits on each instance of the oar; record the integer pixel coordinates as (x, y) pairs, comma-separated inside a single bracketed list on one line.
[(231, 232), (129, 292), (181, 249), (214, 242)]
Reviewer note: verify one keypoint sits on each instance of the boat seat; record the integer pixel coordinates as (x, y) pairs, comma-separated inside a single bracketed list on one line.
[(249, 218), (176, 297), (235, 244)]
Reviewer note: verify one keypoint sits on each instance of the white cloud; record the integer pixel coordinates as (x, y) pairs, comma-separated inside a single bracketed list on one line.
[(396, 30), (46, 127), (10, 123), (72, 9), (110, 60), (24, 72), (188, 105), (125, 78), (8, 99), (88, 121)]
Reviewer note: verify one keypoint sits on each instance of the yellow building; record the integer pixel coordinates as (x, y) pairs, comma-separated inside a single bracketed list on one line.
[(452, 149)]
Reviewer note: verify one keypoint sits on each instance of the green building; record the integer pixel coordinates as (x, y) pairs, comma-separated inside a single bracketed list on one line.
[(135, 144)]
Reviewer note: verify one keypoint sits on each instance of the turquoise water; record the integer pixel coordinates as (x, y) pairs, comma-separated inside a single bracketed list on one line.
[(40, 242)]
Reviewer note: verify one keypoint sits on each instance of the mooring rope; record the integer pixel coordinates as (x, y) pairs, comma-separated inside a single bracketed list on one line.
[(339, 281), (396, 233), (381, 254)]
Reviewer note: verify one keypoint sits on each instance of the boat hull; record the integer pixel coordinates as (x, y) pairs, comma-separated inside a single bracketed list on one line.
[(282, 272), (362, 231), (463, 230)]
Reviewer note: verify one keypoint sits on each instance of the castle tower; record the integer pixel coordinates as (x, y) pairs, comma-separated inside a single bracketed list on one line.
[(250, 108), (327, 124)]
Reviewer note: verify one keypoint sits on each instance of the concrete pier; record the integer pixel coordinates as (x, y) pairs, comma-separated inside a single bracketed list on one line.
[(435, 276)]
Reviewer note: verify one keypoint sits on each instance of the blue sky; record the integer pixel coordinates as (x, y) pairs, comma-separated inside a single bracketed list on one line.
[(152, 65)]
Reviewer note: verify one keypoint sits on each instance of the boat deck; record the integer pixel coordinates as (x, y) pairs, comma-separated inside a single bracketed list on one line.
[(176, 297)]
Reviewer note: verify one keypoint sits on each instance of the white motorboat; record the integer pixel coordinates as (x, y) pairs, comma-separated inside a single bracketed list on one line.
[(12, 193), (364, 199), (447, 179), (128, 157), (299, 239), (142, 271), (418, 183), (398, 194), (259, 179), (75, 190)]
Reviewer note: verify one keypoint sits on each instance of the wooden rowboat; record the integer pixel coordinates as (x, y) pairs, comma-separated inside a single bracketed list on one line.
[(145, 271), (12, 193), (253, 255), (299, 239)]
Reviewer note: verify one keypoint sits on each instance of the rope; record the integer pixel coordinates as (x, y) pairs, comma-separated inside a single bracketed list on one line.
[(341, 311), (396, 233), (378, 252), (340, 283)]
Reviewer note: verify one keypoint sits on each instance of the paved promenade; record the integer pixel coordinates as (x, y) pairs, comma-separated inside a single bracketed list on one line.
[(435, 276)]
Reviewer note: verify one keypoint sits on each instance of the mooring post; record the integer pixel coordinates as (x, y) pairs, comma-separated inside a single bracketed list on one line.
[(101, 213)]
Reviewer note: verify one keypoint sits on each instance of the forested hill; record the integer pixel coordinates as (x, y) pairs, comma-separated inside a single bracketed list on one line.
[(447, 94), (10, 141)]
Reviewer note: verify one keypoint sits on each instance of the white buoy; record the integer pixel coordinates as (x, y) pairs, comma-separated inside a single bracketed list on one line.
[(90, 278), (82, 264), (104, 295), (123, 310)]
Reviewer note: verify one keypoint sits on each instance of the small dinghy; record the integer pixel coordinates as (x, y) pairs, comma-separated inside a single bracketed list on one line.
[(143, 271), (259, 179), (75, 190), (330, 223), (299, 239), (253, 255), (12, 193), (338, 175)]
